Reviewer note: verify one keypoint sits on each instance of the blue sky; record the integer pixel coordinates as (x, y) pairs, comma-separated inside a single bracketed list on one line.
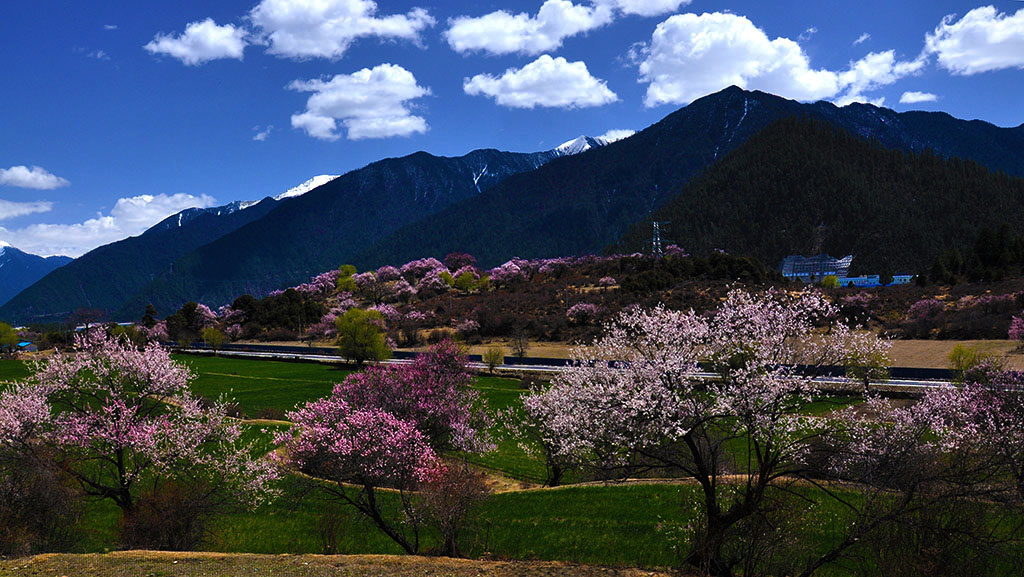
[(116, 114)]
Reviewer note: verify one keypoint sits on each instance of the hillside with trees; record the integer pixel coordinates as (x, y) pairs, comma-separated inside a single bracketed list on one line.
[(804, 187)]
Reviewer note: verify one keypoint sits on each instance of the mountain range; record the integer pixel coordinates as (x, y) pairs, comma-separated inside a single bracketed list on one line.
[(584, 203), (195, 254), (581, 197)]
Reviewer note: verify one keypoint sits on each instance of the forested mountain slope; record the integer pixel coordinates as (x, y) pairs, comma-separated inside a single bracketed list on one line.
[(803, 187)]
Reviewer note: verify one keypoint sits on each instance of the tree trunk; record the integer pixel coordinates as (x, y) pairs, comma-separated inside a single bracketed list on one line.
[(373, 512)]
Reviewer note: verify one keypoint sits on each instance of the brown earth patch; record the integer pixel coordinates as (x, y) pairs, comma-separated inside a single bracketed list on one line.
[(175, 564)]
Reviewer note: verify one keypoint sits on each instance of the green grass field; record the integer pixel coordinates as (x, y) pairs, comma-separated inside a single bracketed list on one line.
[(257, 385), (604, 524), (614, 525)]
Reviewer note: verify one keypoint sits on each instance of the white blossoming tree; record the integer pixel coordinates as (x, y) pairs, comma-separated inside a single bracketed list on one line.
[(634, 401)]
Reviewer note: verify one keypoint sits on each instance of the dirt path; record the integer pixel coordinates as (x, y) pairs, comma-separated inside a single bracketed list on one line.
[(173, 564)]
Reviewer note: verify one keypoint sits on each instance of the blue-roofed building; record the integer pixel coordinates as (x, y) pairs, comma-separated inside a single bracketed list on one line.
[(815, 268)]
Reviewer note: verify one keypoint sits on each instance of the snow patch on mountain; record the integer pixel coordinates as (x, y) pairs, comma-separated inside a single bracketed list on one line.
[(305, 187)]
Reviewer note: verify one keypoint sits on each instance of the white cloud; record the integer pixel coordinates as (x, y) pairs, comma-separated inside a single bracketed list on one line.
[(9, 209), (326, 28), (35, 177), (110, 26), (547, 81), (862, 39), (262, 135), (913, 97), (370, 103), (98, 55), (130, 216), (692, 55), (983, 40), (617, 134), (502, 32), (201, 42)]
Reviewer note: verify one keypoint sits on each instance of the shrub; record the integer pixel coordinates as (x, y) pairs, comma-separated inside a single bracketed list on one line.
[(172, 517), (924, 317), (494, 356), (440, 335), (1016, 332), (270, 414), (467, 327), (213, 338), (361, 336), (328, 526), (963, 358), (583, 313), (449, 496), (38, 507)]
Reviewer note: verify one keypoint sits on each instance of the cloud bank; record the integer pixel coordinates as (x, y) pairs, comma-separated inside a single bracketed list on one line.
[(692, 55), (129, 217)]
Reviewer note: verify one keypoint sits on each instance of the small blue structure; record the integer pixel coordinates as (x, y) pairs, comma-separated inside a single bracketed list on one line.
[(27, 346), (872, 280)]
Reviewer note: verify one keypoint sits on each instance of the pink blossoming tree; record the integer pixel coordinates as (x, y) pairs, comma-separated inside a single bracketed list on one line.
[(120, 417), (387, 427)]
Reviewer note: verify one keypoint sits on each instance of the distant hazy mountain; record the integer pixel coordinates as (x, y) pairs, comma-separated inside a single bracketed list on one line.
[(19, 269), (585, 202), (106, 277)]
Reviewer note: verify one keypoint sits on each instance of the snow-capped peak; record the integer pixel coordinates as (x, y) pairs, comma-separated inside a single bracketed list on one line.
[(578, 145), (585, 143), (306, 186)]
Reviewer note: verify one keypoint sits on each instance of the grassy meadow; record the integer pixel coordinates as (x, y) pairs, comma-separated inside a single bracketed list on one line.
[(609, 524)]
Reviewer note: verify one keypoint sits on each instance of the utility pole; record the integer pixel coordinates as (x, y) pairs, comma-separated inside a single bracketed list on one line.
[(656, 249)]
